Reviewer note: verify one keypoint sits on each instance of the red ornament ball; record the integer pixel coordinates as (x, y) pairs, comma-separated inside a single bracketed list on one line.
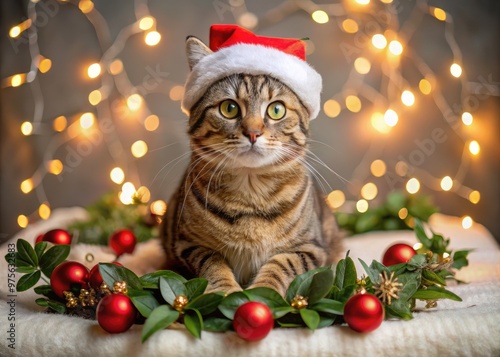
[(253, 321), (68, 275), (397, 254), (57, 236), (122, 241), (95, 278), (115, 313), (363, 312), (39, 238)]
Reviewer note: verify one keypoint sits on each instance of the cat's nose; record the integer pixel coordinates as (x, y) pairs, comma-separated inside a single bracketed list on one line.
[(252, 135)]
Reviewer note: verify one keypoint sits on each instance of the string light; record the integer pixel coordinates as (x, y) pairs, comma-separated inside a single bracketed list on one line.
[(413, 185), (379, 41), (474, 147), (139, 148), (134, 102), (44, 211), (378, 168), (18, 29), (369, 191), (45, 65), (86, 6), (55, 167), (401, 168), (363, 2), (395, 47), (331, 108), (446, 183), (146, 23), (362, 206), (320, 17), (17, 79), (152, 38), (22, 221), (350, 26), (27, 185), (94, 70), (467, 118), (353, 103), (425, 86), (117, 175), (248, 20), (336, 199), (95, 97), (158, 207), (60, 123), (474, 197), (26, 128), (403, 213), (152, 122), (439, 14), (362, 65), (378, 122), (87, 120), (391, 117), (467, 222), (407, 98), (176, 93), (456, 70), (116, 67)]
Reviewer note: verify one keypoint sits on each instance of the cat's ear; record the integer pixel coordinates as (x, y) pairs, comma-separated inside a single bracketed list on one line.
[(195, 50)]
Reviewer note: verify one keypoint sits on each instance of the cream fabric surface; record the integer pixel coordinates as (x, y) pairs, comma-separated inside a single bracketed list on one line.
[(468, 328)]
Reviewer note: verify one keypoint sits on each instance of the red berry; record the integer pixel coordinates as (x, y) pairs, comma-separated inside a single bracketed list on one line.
[(95, 278), (398, 253), (363, 312), (57, 236), (122, 241), (253, 321), (68, 275), (115, 313)]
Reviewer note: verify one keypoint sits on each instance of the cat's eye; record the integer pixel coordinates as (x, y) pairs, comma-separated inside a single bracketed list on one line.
[(276, 110), (229, 109)]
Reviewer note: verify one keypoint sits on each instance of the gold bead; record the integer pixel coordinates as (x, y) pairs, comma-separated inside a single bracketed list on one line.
[(180, 302), (104, 289), (120, 287), (299, 302)]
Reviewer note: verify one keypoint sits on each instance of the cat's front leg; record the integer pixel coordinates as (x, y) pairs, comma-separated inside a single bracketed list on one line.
[(280, 270), (211, 265)]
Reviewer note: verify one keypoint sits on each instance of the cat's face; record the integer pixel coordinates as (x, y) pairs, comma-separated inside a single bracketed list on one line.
[(248, 121)]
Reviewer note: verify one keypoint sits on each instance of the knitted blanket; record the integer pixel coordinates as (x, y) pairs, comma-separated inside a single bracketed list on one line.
[(467, 328)]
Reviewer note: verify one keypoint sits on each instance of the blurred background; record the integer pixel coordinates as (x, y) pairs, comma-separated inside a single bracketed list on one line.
[(90, 99)]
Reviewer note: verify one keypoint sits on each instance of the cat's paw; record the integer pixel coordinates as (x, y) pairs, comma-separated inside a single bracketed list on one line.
[(282, 292), (223, 289)]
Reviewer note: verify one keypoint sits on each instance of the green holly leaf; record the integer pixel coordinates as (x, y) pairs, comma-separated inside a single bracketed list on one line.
[(301, 284), (143, 300), (171, 288), (398, 309), (53, 257), (370, 272), (435, 292), (345, 273), (231, 302), (279, 312), (320, 286), (26, 269), (193, 322), (460, 259), (43, 289), (342, 295), (329, 306), (26, 252), (217, 324), (421, 235), (310, 317), (431, 278), (151, 280), (325, 321), (267, 296), (195, 287), (57, 306), (42, 302), (411, 282), (112, 273), (160, 318), (40, 248), (28, 281), (418, 261), (205, 304)]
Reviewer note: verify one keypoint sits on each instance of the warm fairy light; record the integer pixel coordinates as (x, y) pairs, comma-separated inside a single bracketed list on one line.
[(320, 17), (45, 65), (117, 175), (87, 120), (413, 185), (55, 167), (22, 221), (116, 67), (139, 148), (127, 194), (403, 213), (474, 197), (331, 108), (401, 168), (417, 246), (95, 97), (467, 118), (146, 23), (16, 30), (362, 206), (425, 86), (60, 123), (152, 38), (353, 103), (456, 70), (408, 98), (350, 26), (391, 117), (386, 1), (467, 222), (369, 191), (134, 102), (26, 128), (27, 185), (152, 122), (335, 199), (143, 194), (363, 2), (86, 6), (439, 14), (44, 211), (474, 147), (378, 122), (378, 168), (379, 41), (362, 65), (128, 188), (248, 20), (176, 93), (158, 207), (446, 183), (395, 47), (17, 79), (94, 70)]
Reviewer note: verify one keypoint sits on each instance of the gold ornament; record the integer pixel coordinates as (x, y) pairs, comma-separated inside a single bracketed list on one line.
[(87, 297), (180, 303), (71, 300), (387, 288), (120, 287), (430, 304), (299, 302), (104, 289)]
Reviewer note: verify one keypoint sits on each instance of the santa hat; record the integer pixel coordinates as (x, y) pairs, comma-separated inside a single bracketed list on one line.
[(237, 50)]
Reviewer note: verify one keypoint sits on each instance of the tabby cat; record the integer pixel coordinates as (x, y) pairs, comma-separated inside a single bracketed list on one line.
[(247, 213)]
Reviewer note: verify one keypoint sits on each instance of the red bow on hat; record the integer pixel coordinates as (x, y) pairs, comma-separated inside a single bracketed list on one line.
[(227, 35)]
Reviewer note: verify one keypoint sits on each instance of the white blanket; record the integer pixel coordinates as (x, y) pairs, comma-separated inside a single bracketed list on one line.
[(468, 328)]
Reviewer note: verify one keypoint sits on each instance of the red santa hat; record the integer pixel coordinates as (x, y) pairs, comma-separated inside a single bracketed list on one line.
[(237, 50)]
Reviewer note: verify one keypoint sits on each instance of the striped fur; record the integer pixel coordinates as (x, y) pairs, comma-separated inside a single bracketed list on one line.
[(248, 215)]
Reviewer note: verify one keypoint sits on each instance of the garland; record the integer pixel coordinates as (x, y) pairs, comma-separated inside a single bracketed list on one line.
[(314, 300)]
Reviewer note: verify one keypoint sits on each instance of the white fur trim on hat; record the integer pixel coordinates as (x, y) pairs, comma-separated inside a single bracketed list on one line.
[(254, 60)]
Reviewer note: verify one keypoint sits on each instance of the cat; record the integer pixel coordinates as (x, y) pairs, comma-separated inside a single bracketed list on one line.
[(247, 213)]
